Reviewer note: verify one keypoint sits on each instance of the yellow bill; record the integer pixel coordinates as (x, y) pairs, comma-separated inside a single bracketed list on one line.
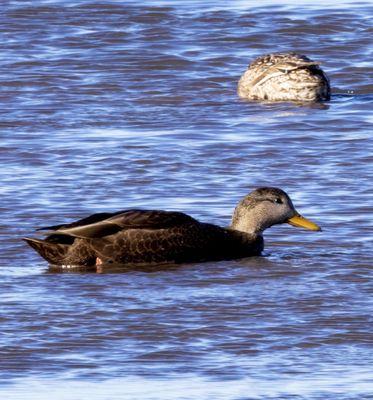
[(302, 222)]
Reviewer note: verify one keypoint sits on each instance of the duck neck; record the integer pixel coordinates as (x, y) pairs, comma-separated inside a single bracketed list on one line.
[(243, 221)]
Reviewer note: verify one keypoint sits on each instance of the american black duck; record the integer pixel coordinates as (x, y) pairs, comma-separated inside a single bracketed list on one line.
[(148, 237), (284, 77)]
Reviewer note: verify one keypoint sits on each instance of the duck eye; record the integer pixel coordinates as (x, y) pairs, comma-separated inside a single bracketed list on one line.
[(278, 201)]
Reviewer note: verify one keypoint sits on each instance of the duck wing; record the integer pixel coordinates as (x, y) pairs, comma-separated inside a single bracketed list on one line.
[(81, 222), (104, 224)]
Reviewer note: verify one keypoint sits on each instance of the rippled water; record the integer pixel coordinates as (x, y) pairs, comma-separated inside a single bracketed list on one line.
[(107, 105)]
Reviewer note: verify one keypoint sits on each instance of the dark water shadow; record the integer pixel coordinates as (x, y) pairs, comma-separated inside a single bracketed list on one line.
[(254, 263), (299, 104), (114, 268)]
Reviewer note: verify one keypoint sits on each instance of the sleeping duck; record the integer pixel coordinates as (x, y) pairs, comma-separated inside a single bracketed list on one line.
[(149, 237), (284, 77)]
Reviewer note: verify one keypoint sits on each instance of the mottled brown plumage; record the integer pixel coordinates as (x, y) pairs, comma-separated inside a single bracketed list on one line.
[(148, 237), (284, 77)]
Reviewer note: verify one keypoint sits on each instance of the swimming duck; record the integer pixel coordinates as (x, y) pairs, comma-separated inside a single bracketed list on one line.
[(284, 77), (147, 237)]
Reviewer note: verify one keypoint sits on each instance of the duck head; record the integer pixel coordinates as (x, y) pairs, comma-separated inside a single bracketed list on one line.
[(265, 207)]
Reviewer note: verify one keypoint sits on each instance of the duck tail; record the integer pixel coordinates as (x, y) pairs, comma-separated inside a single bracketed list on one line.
[(54, 253)]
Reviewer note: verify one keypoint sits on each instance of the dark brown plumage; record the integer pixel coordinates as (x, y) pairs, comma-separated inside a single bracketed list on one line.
[(147, 237)]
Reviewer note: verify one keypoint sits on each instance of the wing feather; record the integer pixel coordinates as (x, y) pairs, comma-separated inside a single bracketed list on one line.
[(104, 224)]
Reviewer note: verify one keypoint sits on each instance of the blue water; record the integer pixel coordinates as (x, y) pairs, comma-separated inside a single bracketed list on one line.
[(114, 105)]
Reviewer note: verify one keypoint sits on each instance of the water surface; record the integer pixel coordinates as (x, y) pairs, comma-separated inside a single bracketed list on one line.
[(108, 105)]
